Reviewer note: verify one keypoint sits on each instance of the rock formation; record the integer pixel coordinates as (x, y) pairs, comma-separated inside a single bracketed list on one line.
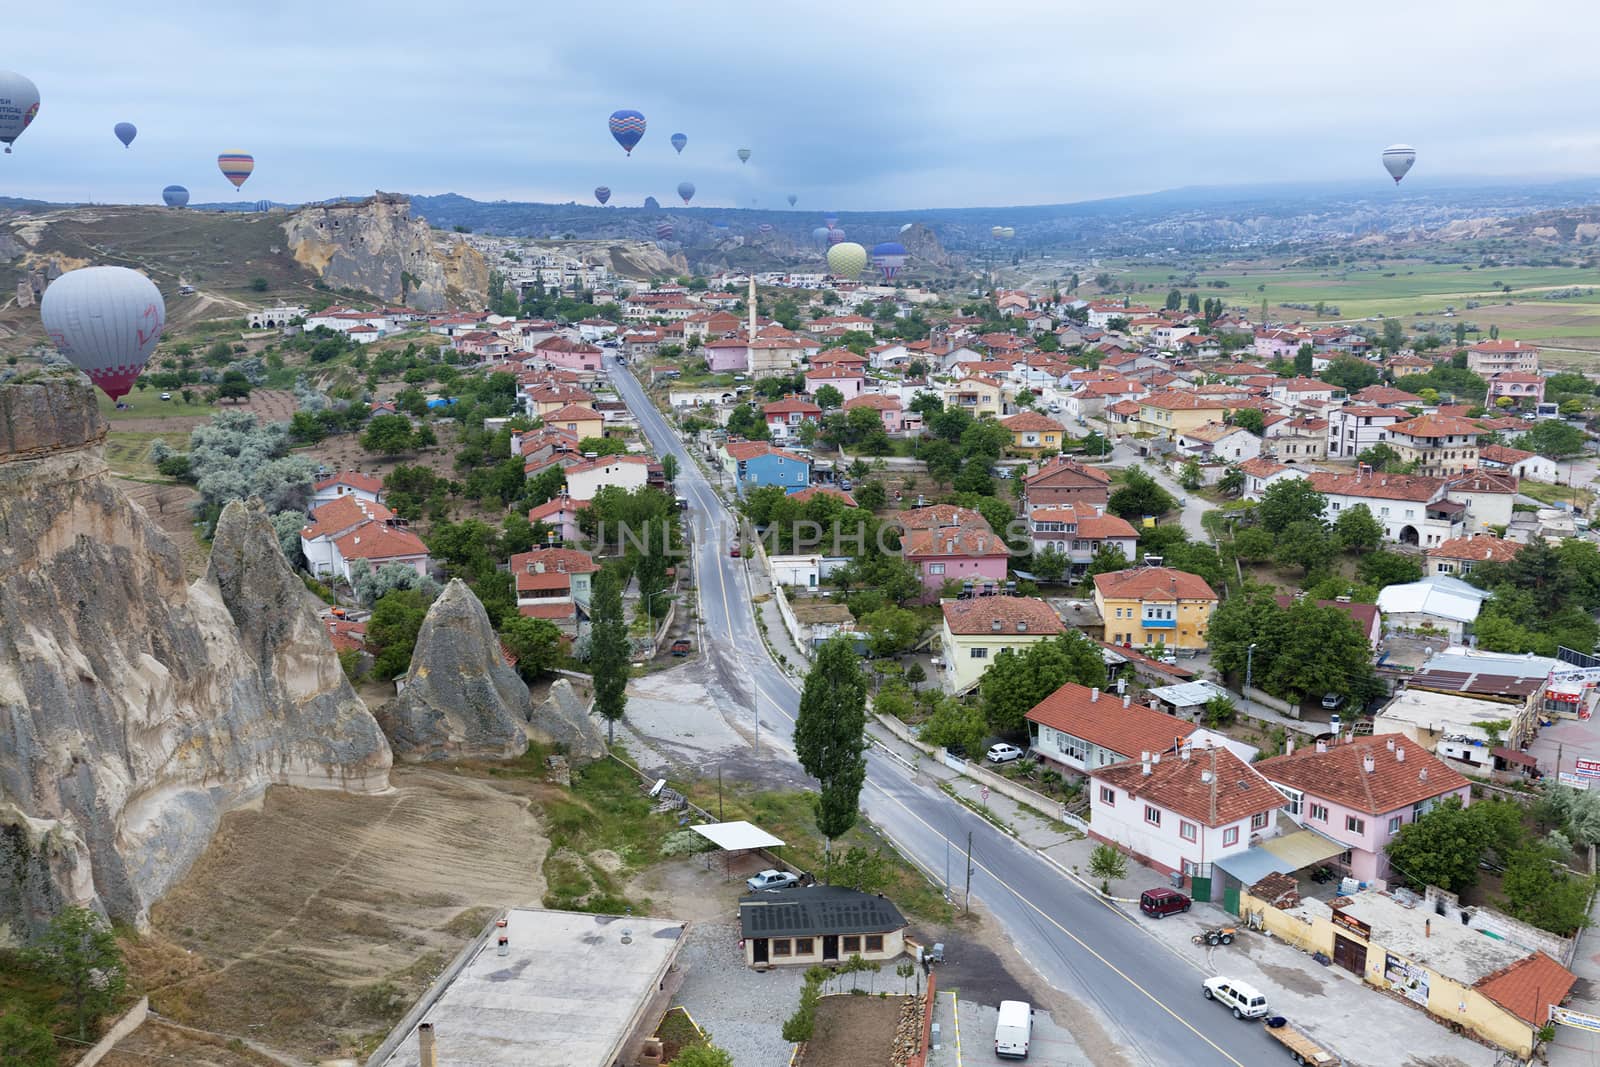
[(460, 699), (376, 245), (136, 709), (565, 719)]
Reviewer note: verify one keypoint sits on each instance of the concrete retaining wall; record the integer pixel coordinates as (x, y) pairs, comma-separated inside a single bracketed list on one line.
[(1282, 707), (790, 623), (131, 1020)]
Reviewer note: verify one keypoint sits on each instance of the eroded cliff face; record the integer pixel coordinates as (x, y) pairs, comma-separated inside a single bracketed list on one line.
[(377, 245), (136, 709)]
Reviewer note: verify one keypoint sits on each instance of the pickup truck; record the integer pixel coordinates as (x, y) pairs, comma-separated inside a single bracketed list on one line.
[(771, 880)]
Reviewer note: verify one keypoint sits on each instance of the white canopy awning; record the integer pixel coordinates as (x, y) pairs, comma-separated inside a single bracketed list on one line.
[(736, 836)]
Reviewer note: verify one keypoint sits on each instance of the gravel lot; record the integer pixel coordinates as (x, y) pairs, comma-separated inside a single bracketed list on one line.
[(742, 1008)]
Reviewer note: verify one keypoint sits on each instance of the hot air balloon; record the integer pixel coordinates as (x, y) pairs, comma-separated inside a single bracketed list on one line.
[(627, 127), (126, 132), (1008, 232), (175, 195), (686, 190), (602, 194), (835, 236), (820, 236), (847, 260), (664, 231), (907, 226), (765, 227), (236, 166), (744, 155), (19, 103), (678, 141), (793, 200), (107, 321), (263, 206), (996, 232), (889, 257), (1397, 160)]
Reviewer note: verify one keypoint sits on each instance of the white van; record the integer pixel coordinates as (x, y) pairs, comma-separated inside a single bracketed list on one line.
[(1013, 1030)]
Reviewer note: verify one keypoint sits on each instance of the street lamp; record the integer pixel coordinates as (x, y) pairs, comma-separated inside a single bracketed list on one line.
[(650, 617)]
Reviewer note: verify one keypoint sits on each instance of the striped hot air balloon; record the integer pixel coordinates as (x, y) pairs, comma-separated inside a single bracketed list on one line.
[(744, 155), (236, 166), (19, 103), (175, 196), (835, 236), (889, 257), (1397, 160), (664, 231), (627, 126), (107, 321), (847, 260), (765, 227), (602, 194)]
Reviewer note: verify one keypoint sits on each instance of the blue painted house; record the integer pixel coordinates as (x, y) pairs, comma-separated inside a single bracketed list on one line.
[(753, 464)]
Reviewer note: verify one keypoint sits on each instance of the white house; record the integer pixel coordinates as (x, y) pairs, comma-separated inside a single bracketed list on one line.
[(347, 483), (1529, 465), (1082, 729), (1182, 813), (1261, 472), (1412, 509), (1219, 442), (1355, 428), (275, 317), (586, 479)]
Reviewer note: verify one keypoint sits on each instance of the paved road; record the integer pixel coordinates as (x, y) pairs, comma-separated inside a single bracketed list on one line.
[(1147, 997)]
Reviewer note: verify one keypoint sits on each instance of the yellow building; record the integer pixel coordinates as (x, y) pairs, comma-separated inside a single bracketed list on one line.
[(1171, 413), (975, 395), (976, 631), (1489, 973), (1154, 606), (577, 420), (1033, 433)]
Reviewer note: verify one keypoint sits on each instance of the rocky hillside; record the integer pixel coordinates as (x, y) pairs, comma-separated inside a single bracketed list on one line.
[(378, 246), (138, 709)]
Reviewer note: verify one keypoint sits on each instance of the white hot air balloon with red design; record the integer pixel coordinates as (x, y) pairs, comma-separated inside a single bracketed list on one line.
[(106, 320)]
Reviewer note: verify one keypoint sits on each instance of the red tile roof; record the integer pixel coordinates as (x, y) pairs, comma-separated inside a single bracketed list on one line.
[(563, 560), (573, 413), (1387, 394), (810, 492), (1528, 987), (740, 450), (1178, 400), (1066, 472), (875, 401), (1032, 421), (1501, 454), (1402, 776), (1153, 583), (1102, 719), (1213, 787), (353, 479), (1436, 426), (975, 542), (377, 541), (1376, 486), (1480, 549), (341, 514), (790, 405), (1010, 615), (1090, 521), (1502, 345)]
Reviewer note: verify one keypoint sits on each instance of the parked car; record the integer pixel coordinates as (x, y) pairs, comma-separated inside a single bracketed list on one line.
[(1013, 1029), (1244, 999), (771, 880), (734, 551), (680, 647), (1159, 903), (1003, 753), (1333, 701), (166, 396)]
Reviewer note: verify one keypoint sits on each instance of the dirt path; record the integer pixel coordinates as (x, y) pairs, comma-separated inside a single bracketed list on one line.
[(322, 916), (854, 1031)]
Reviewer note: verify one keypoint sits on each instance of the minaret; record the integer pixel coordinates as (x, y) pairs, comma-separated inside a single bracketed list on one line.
[(752, 303)]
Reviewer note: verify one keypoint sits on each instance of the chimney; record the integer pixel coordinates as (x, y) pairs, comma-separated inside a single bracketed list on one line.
[(1094, 695), (1368, 764), (1389, 744), (1127, 699), (1183, 753), (1288, 745), (1155, 758), (1400, 754), (427, 1054), (1322, 746), (1144, 762)]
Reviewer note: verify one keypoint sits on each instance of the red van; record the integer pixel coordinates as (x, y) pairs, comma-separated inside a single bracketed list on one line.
[(1159, 903)]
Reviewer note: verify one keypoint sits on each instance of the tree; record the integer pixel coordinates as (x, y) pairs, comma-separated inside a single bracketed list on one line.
[(79, 952), (1232, 480), (830, 735), (1383, 457), (1304, 544), (388, 435), (1219, 711), (603, 446), (669, 468), (1357, 531), (1351, 374), (1050, 565), (956, 725), (396, 620), (1016, 681), (1438, 848), (1140, 495), (828, 397), (371, 585), (1393, 335), (891, 630), (535, 642), (1384, 568), (1107, 863), (1554, 438), (1251, 419), (1304, 360), (1190, 476), (1287, 501), (608, 649), (24, 1043), (1174, 299), (1540, 891), (703, 1056)]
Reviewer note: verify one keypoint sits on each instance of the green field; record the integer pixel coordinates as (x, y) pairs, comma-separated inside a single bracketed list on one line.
[(128, 452), (1406, 290)]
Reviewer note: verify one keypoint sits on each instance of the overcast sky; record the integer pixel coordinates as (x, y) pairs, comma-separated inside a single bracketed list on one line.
[(855, 105)]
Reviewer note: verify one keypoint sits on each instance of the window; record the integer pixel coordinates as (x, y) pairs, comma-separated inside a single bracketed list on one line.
[(874, 943), (1187, 831), (1230, 836), (1355, 825), (1293, 796), (936, 568), (979, 653), (1394, 824), (1108, 796), (1258, 821), (1319, 812), (1152, 815), (852, 943), (780, 946), (803, 946)]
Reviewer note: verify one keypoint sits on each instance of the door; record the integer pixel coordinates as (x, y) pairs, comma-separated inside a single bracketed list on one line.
[(1230, 900), (1351, 955), (760, 949), (830, 946), (1200, 887)]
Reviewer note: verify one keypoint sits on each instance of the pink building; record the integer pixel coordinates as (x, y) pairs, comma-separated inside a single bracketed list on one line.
[(848, 380), (1361, 792), (946, 543), (895, 418), (1524, 387), (730, 354), (572, 355), (1271, 344), (560, 514)]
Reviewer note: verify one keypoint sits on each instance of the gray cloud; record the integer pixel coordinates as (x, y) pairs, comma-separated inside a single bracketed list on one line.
[(887, 104)]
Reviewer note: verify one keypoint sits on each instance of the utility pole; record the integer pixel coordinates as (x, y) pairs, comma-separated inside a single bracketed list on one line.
[(719, 793), (1249, 663), (966, 905), (947, 868)]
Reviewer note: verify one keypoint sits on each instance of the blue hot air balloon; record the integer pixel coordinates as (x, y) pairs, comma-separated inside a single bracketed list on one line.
[(686, 190), (627, 126), (820, 236), (793, 200), (678, 141), (602, 194), (126, 132), (889, 257), (175, 195)]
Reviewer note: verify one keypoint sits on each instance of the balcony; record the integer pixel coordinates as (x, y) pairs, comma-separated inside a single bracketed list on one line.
[(1159, 624)]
